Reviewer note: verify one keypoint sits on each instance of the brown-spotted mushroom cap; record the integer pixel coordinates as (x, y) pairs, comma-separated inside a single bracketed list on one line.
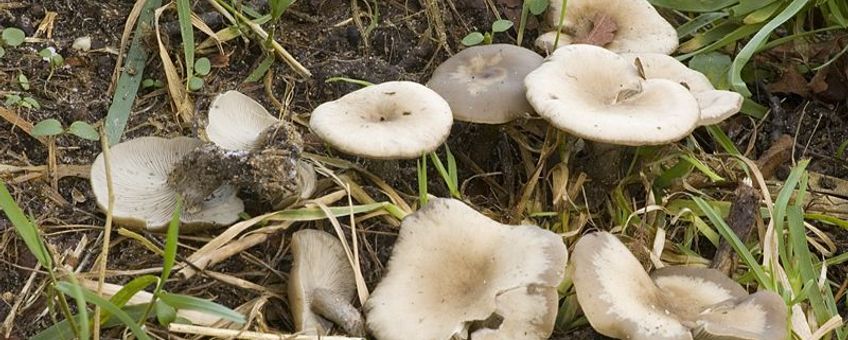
[(236, 121), (635, 24), (598, 95), (452, 266), (392, 120), (689, 290), (617, 295), (485, 84), (321, 284), (759, 316), (715, 105), (143, 198)]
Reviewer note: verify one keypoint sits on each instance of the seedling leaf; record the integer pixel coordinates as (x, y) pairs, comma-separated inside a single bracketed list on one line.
[(13, 36), (47, 127), (202, 66), (501, 26), (83, 130), (195, 83), (537, 7), (473, 38)]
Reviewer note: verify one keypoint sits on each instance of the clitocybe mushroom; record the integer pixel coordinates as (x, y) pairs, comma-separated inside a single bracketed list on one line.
[(485, 84), (143, 197), (321, 285), (620, 300), (715, 105), (251, 150), (618, 25), (392, 120), (598, 95), (453, 268)]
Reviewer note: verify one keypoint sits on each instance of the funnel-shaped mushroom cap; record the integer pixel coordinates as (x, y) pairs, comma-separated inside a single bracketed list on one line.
[(523, 317), (143, 198), (236, 120), (635, 24), (715, 105), (452, 265), (617, 295), (761, 315), (689, 290), (485, 84), (597, 95), (392, 120), (319, 263)]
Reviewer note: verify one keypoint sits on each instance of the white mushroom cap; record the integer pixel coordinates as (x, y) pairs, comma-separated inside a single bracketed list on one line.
[(236, 121), (617, 295), (485, 84), (715, 105), (639, 27), (319, 263), (598, 95), (392, 120), (761, 315), (143, 199), (523, 317), (452, 265), (689, 290)]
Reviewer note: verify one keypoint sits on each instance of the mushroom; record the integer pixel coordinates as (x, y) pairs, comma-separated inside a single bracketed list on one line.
[(598, 95), (485, 84), (251, 149), (143, 196), (715, 105), (620, 300), (618, 25), (454, 271), (392, 120), (617, 295), (321, 285)]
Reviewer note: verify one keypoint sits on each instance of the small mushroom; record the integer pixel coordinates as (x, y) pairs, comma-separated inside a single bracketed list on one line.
[(321, 285), (143, 196), (617, 295), (618, 25), (454, 271), (715, 105), (759, 316), (598, 95), (485, 84), (236, 121), (620, 300), (392, 120)]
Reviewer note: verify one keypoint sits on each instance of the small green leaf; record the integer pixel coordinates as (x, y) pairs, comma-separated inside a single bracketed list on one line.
[(501, 25), (23, 81), (83, 130), (165, 314), (195, 83), (472, 39), (278, 7), (180, 301), (714, 65), (202, 66), (260, 70), (13, 36), (30, 102), (2, 52), (12, 99), (538, 6), (47, 127)]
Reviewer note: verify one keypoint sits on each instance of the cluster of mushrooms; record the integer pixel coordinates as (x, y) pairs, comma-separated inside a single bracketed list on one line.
[(455, 273)]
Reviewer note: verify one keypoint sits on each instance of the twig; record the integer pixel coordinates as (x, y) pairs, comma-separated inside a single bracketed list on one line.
[(107, 228), (743, 212), (237, 334)]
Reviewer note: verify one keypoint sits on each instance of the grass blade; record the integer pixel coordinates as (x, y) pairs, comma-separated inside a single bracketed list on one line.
[(67, 288), (187, 34), (180, 301), (25, 228)]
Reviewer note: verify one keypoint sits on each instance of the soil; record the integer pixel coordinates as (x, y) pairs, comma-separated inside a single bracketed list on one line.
[(404, 44)]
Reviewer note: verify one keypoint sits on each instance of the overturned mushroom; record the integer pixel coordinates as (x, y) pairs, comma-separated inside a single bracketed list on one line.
[(321, 285), (455, 271), (618, 25), (392, 120), (143, 196), (485, 84), (252, 150), (715, 105), (620, 300)]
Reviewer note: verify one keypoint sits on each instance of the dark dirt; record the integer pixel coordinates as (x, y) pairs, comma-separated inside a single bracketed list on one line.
[(404, 45)]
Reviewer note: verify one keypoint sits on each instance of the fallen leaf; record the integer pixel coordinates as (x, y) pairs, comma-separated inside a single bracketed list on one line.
[(790, 81), (602, 33)]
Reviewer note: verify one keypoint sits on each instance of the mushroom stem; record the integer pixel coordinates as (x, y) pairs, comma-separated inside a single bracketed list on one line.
[(338, 310), (605, 162)]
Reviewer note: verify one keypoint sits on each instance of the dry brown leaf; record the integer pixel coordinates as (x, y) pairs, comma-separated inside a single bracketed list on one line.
[(602, 33), (790, 81)]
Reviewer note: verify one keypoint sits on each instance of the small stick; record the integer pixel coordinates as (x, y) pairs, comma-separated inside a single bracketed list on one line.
[(237, 334), (107, 228), (743, 212)]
